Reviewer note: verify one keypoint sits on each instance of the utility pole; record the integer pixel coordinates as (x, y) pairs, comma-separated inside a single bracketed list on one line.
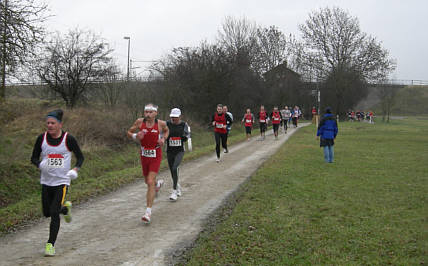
[(129, 45)]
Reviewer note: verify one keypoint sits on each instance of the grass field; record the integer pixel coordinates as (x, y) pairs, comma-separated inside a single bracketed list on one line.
[(369, 207)]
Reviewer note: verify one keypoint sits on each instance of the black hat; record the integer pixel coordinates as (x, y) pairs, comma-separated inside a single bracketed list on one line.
[(57, 114), (328, 110)]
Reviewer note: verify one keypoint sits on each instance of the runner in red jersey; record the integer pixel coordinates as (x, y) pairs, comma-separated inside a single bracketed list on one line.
[(220, 120), (263, 119), (276, 120), (151, 136), (248, 121)]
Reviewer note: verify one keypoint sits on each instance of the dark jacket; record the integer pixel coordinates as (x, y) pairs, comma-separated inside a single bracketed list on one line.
[(327, 129)]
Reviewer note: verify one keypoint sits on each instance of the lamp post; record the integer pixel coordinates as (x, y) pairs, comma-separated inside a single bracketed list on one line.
[(129, 44)]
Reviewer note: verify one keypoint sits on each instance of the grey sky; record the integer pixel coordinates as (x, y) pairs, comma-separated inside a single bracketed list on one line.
[(157, 26)]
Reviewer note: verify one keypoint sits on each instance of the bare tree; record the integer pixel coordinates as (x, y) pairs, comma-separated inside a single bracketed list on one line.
[(73, 61), (335, 39), (387, 94), (271, 49), (21, 31)]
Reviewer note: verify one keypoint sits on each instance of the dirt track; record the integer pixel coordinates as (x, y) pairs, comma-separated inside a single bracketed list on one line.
[(108, 230)]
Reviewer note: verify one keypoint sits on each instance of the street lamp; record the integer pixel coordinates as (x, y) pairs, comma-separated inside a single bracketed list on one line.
[(129, 44)]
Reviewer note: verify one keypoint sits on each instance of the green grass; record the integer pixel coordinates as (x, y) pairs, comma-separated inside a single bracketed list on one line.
[(369, 207)]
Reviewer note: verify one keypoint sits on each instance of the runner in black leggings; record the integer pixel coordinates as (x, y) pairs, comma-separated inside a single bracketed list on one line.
[(178, 134), (220, 121)]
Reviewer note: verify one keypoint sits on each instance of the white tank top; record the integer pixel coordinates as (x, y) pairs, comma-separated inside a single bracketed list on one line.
[(57, 162)]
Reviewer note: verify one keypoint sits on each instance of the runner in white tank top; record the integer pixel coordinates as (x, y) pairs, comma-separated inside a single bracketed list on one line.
[(52, 155)]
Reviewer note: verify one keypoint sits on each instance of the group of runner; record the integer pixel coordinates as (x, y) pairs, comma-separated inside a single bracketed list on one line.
[(279, 118), (361, 116), (54, 148)]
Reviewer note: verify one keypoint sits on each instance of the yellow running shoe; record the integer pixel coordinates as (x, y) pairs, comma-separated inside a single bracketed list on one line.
[(49, 250), (67, 217)]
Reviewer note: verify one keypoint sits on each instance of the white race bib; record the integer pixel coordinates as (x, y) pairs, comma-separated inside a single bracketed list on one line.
[(217, 125), (248, 121), (262, 121), (276, 119), (55, 161), (174, 141), (151, 153)]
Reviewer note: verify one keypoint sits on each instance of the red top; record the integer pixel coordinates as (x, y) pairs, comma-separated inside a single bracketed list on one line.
[(248, 120), (314, 111), (151, 136), (262, 117), (276, 117), (220, 123)]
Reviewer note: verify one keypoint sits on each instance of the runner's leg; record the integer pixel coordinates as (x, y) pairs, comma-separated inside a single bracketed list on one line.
[(224, 140), (174, 160), (151, 183), (217, 143), (57, 196)]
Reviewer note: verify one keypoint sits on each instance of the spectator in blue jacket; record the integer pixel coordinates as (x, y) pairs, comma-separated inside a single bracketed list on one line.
[(327, 130)]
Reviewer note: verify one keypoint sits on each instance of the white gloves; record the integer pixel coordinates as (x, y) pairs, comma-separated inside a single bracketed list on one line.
[(189, 144), (43, 165), (72, 174)]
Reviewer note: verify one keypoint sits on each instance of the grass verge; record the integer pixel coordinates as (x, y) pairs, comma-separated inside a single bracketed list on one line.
[(368, 207)]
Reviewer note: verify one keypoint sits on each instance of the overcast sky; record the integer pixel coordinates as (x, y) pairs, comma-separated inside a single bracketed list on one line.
[(157, 26)]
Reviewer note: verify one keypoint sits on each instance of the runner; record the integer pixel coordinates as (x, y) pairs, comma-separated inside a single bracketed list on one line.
[(219, 121), (276, 120), (179, 132), (296, 114), (286, 114), (263, 119), (248, 121), (229, 123), (314, 114), (55, 148), (151, 136)]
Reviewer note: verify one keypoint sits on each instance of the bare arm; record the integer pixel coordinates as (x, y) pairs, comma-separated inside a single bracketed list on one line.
[(132, 130), (165, 132)]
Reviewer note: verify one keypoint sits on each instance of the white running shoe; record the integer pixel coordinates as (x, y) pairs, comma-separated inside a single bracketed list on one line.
[(217, 160), (178, 190), (159, 184), (146, 218), (173, 196)]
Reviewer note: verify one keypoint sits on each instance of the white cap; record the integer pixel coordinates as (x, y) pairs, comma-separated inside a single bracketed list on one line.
[(175, 112)]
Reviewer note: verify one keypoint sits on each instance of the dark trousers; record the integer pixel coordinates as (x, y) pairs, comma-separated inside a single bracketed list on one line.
[(223, 138), (174, 160), (52, 203)]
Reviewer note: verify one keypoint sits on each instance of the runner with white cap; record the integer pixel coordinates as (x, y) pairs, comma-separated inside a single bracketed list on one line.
[(179, 132), (151, 134), (55, 147)]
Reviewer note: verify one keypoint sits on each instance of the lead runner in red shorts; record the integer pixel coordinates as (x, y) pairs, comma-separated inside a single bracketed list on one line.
[(151, 134)]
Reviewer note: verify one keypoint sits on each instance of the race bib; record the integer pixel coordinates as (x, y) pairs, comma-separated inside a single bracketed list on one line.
[(174, 141), (262, 121), (248, 121), (55, 161), (151, 153), (276, 119), (218, 125)]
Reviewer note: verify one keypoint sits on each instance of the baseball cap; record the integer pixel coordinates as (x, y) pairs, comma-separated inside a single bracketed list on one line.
[(175, 112)]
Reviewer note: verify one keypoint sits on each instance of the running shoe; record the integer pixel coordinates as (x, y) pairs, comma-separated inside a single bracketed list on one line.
[(146, 218), (173, 196), (49, 250), (159, 184), (226, 150), (217, 160), (178, 190), (67, 217)]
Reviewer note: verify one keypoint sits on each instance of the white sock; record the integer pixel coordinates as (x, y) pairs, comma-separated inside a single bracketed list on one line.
[(149, 210)]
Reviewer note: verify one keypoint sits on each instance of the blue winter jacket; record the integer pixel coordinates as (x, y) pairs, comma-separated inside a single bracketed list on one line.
[(327, 128)]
